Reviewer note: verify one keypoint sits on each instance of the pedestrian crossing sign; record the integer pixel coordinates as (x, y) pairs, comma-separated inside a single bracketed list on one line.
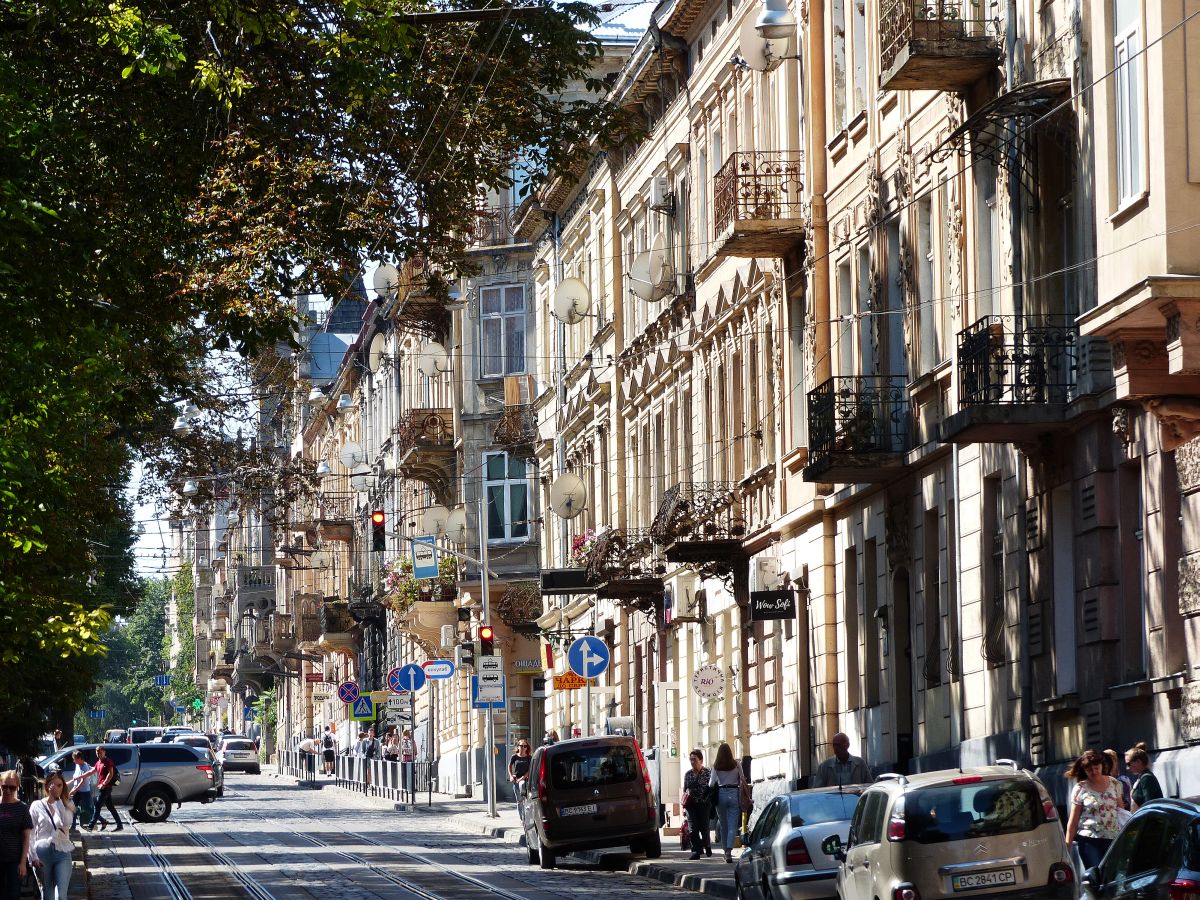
[(364, 709)]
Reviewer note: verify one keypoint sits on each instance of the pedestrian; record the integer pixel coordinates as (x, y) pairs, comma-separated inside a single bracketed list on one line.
[(359, 750), (1093, 823), (309, 748), (1145, 785), (327, 751), (106, 780), (1114, 769), (51, 851), (390, 744), (60, 740), (27, 774), (842, 769), (16, 832), (695, 800), (83, 780), (518, 768), (727, 779), (408, 758)]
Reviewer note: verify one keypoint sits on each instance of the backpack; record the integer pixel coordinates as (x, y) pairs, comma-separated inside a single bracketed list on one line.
[(327, 743), (370, 749)]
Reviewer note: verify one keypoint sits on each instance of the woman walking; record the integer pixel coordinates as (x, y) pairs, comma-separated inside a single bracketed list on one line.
[(1092, 825), (727, 779), (16, 828), (1145, 784), (52, 845), (696, 798)]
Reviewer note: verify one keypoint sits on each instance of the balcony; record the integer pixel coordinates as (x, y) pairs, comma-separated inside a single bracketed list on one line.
[(756, 204), (701, 524), (935, 45), (425, 440), (421, 295), (1016, 376), (331, 512), (627, 566), (494, 226), (518, 427), (338, 629), (282, 632), (859, 428)]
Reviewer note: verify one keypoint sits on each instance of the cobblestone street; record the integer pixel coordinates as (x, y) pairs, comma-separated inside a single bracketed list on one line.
[(270, 838)]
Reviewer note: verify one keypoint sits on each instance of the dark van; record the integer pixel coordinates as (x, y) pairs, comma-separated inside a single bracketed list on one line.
[(587, 793)]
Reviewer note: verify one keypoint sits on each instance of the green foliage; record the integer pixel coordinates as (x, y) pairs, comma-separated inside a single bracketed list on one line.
[(401, 590), (266, 713), (183, 687)]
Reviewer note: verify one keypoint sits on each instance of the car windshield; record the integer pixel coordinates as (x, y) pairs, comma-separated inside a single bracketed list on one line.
[(956, 812), (593, 766), (238, 745), (809, 809)]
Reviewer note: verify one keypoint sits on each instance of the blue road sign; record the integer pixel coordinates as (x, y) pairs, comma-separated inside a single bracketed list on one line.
[(162, 680), (249, 713), (476, 703), (347, 691), (407, 678), (588, 656), (180, 709), (438, 668), (424, 557), (97, 713), (364, 709)]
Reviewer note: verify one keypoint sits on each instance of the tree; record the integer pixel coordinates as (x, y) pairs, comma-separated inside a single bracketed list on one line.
[(172, 174)]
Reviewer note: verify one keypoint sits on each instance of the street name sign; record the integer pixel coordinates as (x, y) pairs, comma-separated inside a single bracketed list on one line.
[(588, 656), (438, 668), (378, 697), (314, 678), (348, 692), (569, 681), (363, 709)]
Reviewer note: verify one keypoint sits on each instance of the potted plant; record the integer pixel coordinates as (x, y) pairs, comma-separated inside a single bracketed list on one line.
[(401, 590)]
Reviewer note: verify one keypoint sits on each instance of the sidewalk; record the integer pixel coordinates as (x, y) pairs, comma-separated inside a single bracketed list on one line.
[(713, 877)]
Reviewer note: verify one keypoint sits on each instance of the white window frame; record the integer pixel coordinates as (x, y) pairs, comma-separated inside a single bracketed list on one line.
[(1130, 116), (513, 532), (489, 365)]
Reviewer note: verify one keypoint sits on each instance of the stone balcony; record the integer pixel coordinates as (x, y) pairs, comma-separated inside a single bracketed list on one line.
[(757, 208), (425, 441), (935, 45)]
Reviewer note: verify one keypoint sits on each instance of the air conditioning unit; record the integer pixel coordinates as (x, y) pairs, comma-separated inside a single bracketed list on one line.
[(766, 574), (661, 196), (447, 637)]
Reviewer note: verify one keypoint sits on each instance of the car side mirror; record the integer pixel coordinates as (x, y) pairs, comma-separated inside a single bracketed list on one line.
[(832, 846), (1090, 877)]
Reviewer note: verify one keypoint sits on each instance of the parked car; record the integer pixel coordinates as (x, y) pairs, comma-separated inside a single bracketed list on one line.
[(200, 742), (586, 793), (977, 832), (144, 734), (115, 736), (152, 777), (783, 859), (170, 731), (238, 754), (78, 739), (1155, 857)]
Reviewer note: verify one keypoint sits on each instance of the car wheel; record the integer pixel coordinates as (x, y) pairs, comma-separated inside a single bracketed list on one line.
[(653, 846), (547, 859), (532, 855), (154, 805), (221, 791), (256, 771), (739, 889)]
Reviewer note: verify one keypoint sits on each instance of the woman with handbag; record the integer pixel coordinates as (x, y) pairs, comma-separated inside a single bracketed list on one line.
[(728, 780), (51, 850), (695, 804)]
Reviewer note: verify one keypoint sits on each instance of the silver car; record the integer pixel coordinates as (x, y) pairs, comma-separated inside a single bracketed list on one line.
[(783, 859), (238, 754)]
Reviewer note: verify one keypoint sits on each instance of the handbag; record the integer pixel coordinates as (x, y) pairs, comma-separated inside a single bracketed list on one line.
[(686, 798), (745, 795), (1123, 816), (685, 835)]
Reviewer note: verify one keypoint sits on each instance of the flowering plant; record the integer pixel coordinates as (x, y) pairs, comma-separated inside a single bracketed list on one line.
[(581, 546), (401, 590)]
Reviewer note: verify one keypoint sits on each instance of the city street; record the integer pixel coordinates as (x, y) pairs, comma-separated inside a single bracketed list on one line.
[(268, 838)]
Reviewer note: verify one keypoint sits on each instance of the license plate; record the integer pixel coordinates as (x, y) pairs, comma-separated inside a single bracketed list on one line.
[(584, 810), (984, 879)]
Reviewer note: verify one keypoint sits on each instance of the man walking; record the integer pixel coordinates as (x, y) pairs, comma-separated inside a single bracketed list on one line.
[(841, 769), (106, 778), (408, 756), (327, 749)]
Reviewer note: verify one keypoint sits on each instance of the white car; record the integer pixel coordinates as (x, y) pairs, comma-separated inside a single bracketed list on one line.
[(238, 754)]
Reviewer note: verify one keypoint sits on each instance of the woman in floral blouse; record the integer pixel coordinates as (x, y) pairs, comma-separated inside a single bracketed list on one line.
[(1094, 802), (696, 800)]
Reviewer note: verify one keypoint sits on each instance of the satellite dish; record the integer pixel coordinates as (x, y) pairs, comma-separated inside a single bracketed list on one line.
[(640, 282), (433, 359), (351, 455), (375, 354), (660, 262), (568, 495), (571, 301), (434, 519), (760, 54), (456, 525), (386, 280)]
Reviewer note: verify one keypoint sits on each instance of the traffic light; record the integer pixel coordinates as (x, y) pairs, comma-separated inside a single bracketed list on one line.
[(464, 615), (486, 641), (466, 654), (378, 531)]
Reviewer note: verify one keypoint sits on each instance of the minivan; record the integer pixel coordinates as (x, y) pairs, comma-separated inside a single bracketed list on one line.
[(586, 793), (144, 734)]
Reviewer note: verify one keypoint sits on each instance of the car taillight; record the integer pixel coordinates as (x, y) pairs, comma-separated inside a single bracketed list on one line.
[(905, 892), (895, 828), (967, 779), (1184, 889), (1060, 874), (650, 808), (207, 770), (797, 853), (543, 793)]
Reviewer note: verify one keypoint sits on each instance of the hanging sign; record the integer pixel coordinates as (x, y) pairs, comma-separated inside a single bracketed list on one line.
[(765, 605), (424, 557), (709, 682)]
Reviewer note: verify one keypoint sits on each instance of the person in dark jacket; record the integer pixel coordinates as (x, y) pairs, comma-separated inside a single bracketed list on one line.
[(518, 767), (1145, 783), (16, 830), (697, 796)]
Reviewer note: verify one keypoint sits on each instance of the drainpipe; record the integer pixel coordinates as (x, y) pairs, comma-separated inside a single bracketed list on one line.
[(560, 382)]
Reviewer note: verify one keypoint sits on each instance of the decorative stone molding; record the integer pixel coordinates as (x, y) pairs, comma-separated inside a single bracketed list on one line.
[(1178, 419), (1121, 424), (902, 179), (873, 213), (1189, 712), (1189, 585), (1187, 466)]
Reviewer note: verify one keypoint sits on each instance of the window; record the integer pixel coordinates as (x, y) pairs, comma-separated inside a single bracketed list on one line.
[(506, 484), (992, 550), (858, 47), (932, 600), (839, 65), (867, 825), (870, 624), (592, 767), (936, 815), (845, 323), (853, 647), (987, 236), (165, 753), (1127, 84), (926, 309), (817, 807), (502, 313)]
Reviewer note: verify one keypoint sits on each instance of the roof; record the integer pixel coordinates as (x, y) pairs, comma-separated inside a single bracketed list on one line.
[(946, 776)]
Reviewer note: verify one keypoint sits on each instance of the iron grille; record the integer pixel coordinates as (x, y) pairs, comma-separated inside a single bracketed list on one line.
[(698, 512), (518, 426), (493, 226), (858, 414), (1012, 360), (757, 184), (425, 427), (931, 21), (624, 555)]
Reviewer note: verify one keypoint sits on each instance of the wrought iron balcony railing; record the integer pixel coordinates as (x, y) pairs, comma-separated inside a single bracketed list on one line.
[(336, 618), (698, 512), (494, 226), (1014, 360), (866, 414), (935, 44), (425, 429), (760, 187), (518, 426), (627, 565)]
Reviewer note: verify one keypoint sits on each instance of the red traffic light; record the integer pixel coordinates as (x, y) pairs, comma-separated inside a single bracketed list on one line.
[(486, 633), (377, 517)]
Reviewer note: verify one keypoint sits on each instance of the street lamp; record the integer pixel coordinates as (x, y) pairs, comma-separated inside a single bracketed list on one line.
[(776, 21), (345, 403), (190, 488), (323, 468), (316, 395)]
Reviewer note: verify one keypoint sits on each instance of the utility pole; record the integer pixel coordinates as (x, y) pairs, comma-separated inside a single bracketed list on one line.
[(489, 739)]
